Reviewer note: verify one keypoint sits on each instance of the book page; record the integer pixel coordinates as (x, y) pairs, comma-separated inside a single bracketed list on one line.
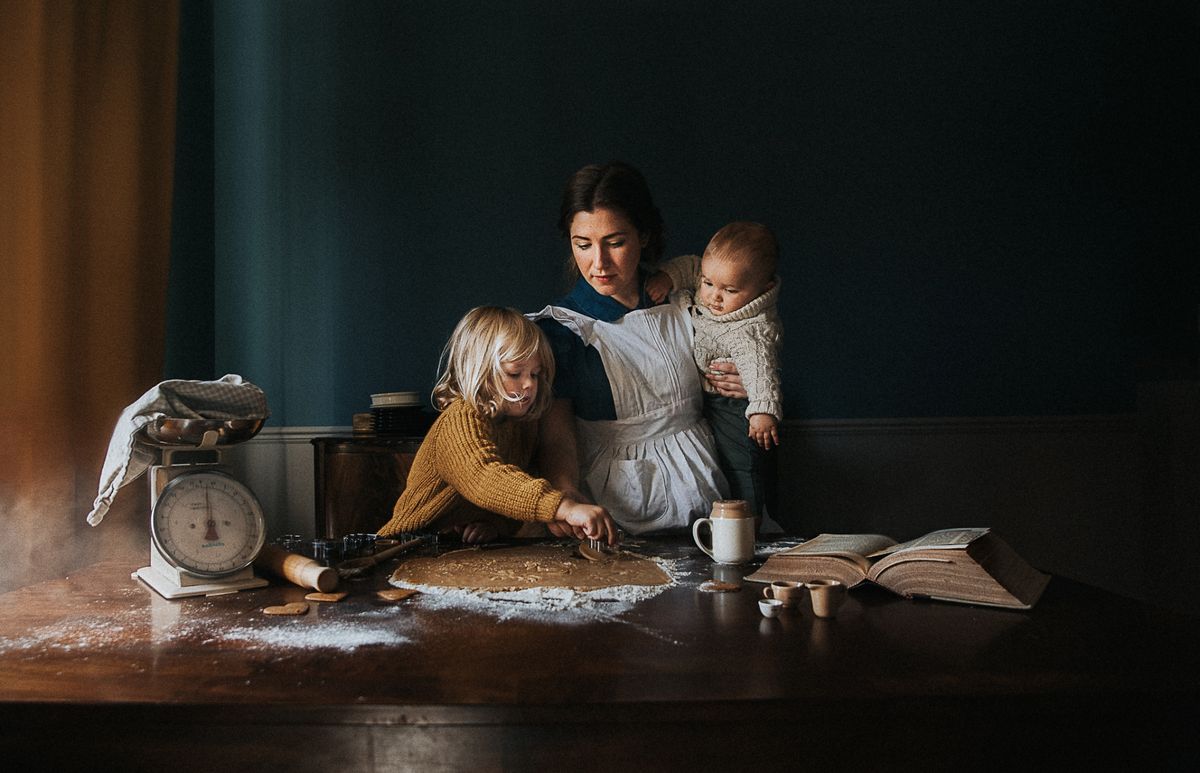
[(943, 539), (853, 547)]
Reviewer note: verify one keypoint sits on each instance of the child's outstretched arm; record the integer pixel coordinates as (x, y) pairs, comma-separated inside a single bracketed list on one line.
[(467, 459)]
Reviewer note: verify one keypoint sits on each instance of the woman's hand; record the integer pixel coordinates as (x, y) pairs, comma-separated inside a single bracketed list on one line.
[(724, 377), (585, 521)]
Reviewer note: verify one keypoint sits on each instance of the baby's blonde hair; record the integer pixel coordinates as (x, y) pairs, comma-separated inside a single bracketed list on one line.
[(751, 246), (470, 367)]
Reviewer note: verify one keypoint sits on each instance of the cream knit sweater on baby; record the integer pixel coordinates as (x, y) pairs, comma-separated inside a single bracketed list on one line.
[(749, 337)]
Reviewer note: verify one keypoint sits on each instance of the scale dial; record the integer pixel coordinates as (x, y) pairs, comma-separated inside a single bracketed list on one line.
[(208, 524)]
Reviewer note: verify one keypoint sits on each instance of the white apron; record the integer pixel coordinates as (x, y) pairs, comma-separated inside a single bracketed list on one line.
[(655, 467)]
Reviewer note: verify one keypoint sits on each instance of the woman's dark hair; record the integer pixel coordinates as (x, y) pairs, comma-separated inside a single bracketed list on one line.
[(615, 185)]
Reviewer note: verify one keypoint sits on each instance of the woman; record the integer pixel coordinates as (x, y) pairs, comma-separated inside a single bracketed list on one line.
[(625, 429)]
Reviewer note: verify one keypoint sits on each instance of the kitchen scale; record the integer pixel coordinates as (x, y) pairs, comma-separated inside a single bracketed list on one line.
[(206, 527)]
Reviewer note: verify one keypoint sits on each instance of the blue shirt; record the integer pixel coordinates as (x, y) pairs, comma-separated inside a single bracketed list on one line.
[(579, 371)]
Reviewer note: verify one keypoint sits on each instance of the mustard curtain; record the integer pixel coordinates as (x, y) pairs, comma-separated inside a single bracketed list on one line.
[(87, 124)]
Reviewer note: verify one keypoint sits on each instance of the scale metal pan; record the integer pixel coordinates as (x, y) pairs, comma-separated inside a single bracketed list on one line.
[(166, 431)]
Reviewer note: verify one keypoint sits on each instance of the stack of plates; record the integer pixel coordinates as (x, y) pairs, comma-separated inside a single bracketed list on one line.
[(395, 400), (398, 413)]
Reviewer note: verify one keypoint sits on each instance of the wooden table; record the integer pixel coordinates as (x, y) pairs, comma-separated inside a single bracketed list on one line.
[(98, 671)]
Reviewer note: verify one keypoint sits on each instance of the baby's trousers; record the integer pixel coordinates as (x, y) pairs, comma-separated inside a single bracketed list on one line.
[(749, 469)]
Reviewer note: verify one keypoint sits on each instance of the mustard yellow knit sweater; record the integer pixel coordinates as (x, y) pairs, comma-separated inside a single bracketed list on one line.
[(469, 458)]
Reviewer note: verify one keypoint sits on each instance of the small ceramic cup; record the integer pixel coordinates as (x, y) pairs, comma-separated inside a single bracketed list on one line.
[(789, 593), (770, 607), (827, 596)]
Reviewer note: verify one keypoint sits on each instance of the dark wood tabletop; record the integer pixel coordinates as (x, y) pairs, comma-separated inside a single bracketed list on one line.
[(96, 667)]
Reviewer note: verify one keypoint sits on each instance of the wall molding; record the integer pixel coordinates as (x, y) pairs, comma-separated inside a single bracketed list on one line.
[(297, 434), (970, 425), (861, 474)]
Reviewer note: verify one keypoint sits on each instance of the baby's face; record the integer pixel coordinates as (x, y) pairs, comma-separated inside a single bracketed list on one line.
[(726, 286)]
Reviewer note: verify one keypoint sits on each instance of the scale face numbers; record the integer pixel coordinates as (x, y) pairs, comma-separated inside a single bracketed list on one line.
[(208, 524)]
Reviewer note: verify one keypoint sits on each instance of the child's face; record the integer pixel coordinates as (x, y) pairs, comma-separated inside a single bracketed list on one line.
[(520, 380), (727, 286)]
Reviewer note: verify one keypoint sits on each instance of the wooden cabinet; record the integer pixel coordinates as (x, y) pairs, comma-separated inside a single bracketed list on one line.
[(357, 481)]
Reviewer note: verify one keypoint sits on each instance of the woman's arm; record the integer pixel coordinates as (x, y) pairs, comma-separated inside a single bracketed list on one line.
[(558, 455)]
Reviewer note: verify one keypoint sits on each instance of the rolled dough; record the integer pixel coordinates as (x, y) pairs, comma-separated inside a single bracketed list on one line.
[(528, 566)]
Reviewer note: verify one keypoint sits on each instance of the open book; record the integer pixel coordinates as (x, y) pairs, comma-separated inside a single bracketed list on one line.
[(971, 566)]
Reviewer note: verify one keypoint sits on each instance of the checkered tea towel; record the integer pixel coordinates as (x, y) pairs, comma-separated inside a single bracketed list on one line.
[(229, 397)]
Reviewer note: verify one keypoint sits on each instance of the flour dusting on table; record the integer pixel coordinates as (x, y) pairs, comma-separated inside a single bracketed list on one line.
[(518, 567), (342, 635), (543, 604)]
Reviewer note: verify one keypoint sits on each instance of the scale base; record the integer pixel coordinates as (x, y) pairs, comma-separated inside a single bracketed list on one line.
[(168, 588), (173, 583)]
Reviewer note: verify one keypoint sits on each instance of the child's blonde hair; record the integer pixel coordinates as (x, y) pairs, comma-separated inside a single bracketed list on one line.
[(471, 364), (747, 244)]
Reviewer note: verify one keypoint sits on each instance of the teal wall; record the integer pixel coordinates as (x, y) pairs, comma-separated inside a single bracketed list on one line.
[(982, 207)]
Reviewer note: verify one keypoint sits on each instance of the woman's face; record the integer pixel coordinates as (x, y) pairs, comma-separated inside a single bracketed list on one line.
[(607, 249)]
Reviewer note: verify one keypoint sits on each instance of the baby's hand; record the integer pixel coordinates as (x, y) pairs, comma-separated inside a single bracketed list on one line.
[(658, 286), (765, 430), (587, 521)]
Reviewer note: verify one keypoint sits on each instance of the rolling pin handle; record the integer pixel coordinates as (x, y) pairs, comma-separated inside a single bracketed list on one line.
[(302, 571)]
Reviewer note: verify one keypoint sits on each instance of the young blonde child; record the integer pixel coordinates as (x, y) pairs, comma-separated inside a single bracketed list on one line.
[(731, 294), (469, 473)]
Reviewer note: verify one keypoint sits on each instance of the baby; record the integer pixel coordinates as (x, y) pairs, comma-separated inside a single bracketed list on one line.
[(731, 293)]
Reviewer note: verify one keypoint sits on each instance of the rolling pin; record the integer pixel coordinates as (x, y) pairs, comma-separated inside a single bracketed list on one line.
[(305, 572)]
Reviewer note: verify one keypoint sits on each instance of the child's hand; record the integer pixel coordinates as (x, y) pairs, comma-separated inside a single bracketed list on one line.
[(477, 532), (658, 286), (765, 430), (587, 521)]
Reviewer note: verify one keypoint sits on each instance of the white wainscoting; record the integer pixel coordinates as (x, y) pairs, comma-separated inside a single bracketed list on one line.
[(278, 465)]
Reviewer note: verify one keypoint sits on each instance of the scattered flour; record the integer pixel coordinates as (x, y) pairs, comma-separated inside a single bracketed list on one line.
[(776, 546), (342, 635), (80, 634), (549, 605), (388, 625)]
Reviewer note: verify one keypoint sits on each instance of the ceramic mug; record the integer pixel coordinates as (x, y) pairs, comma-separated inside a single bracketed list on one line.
[(789, 593), (730, 508), (827, 596), (731, 531)]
